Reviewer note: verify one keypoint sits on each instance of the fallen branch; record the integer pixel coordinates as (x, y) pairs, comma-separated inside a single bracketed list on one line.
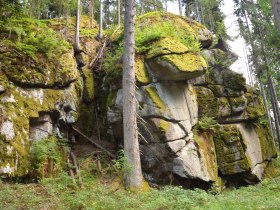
[(76, 129)]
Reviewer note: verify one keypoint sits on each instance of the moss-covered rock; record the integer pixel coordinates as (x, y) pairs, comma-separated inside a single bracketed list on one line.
[(207, 151), (207, 103), (141, 72), (229, 149), (166, 46), (238, 104), (88, 90)]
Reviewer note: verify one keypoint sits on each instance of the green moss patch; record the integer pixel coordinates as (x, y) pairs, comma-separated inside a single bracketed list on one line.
[(229, 149), (141, 72), (153, 95), (186, 62), (36, 55), (207, 103), (166, 46)]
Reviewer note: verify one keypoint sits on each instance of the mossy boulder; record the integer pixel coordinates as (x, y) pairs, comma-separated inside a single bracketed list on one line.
[(36, 56), (167, 48), (230, 152), (178, 67), (207, 103), (192, 113)]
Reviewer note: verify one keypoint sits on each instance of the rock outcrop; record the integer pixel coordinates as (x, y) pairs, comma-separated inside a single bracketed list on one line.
[(40, 88), (198, 120)]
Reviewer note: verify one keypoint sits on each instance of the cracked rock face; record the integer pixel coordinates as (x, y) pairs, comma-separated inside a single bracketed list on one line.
[(175, 98)]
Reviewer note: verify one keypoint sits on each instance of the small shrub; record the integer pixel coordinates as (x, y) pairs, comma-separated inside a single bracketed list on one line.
[(46, 157)]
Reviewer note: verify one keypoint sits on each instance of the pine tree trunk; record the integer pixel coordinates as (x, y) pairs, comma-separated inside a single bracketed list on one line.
[(77, 32), (274, 107), (133, 174), (67, 20), (276, 12), (266, 107), (101, 20), (198, 16), (119, 13), (180, 7), (142, 7), (91, 12)]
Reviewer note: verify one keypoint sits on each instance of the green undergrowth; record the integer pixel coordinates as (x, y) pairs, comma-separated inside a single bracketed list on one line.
[(32, 37), (103, 193)]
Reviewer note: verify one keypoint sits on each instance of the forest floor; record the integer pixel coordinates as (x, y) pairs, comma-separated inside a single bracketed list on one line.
[(101, 190)]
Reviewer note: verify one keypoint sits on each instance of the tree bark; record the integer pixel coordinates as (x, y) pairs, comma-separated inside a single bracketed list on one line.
[(132, 174), (274, 107), (180, 7), (67, 20), (266, 107), (91, 12), (101, 20), (275, 4), (142, 7), (77, 32), (119, 13)]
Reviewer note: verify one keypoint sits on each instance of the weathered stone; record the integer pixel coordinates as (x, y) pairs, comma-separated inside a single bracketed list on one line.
[(2, 89), (8, 99), (207, 103), (7, 130), (177, 67), (238, 104), (230, 152), (188, 164), (40, 127), (224, 108)]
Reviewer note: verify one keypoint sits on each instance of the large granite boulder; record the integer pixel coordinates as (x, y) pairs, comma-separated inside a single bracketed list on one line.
[(177, 95), (41, 90)]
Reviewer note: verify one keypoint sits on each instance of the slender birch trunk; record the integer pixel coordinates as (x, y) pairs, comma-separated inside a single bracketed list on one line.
[(133, 174)]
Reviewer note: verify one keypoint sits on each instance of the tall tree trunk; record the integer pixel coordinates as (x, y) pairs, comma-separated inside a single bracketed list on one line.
[(133, 174), (142, 7), (67, 20), (187, 13), (77, 30), (91, 12), (266, 106), (198, 16), (180, 7), (119, 13), (101, 20), (165, 1), (275, 4), (274, 107)]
